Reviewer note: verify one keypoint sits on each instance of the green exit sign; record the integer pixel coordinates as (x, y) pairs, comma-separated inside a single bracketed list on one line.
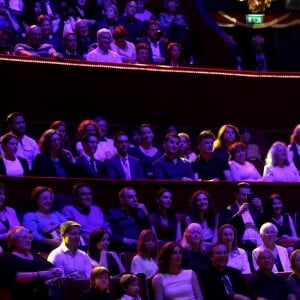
[(254, 18)]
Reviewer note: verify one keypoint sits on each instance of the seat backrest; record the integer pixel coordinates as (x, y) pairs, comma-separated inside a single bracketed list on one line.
[(72, 288), (126, 258)]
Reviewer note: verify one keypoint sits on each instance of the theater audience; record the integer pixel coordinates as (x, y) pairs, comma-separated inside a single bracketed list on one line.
[(90, 167), (227, 135), (269, 232), (147, 152), (103, 53), (246, 215), (237, 257), (84, 211), (278, 167), (145, 261), (277, 214), (101, 254), (43, 221), (27, 146), (293, 278), (220, 281), (165, 222), (123, 165), (264, 283), (201, 210), (34, 47), (207, 165), (99, 285), (171, 165), (8, 218), (73, 262), (172, 281), (24, 272), (11, 164), (194, 252), (54, 160), (185, 146), (127, 221), (130, 286)]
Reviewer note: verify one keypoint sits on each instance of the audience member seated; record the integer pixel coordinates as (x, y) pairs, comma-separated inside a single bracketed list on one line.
[(264, 283), (8, 20), (24, 272), (278, 167), (8, 218), (134, 27), (208, 166), (142, 54), (130, 286), (34, 47), (142, 13), (122, 165), (85, 212), (171, 165), (103, 53), (99, 285), (155, 39), (246, 215), (89, 165), (67, 256), (53, 159), (43, 221), (100, 254), (171, 280), (175, 55), (269, 232), (294, 147), (237, 257), (62, 128), (127, 221), (195, 252), (201, 210), (120, 45), (134, 136), (287, 235), (241, 169), (145, 261), (70, 45), (111, 17), (227, 135), (173, 22), (185, 147), (220, 281), (6, 42), (86, 126), (10, 163), (164, 220), (85, 37), (252, 149), (106, 148), (293, 278), (45, 23), (27, 146), (146, 152)]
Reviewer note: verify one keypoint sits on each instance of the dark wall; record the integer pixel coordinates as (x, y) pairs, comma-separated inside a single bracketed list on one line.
[(194, 97)]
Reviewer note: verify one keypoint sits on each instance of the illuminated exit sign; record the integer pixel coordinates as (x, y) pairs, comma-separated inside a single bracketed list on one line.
[(254, 18)]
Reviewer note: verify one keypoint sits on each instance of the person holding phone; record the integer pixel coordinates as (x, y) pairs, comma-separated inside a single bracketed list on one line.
[(246, 214)]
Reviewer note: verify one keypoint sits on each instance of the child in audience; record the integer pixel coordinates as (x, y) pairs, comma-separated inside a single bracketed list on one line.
[(131, 287), (99, 284)]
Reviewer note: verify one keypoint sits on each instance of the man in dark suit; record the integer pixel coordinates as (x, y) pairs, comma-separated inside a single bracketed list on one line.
[(122, 165), (89, 165), (127, 221), (246, 214)]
